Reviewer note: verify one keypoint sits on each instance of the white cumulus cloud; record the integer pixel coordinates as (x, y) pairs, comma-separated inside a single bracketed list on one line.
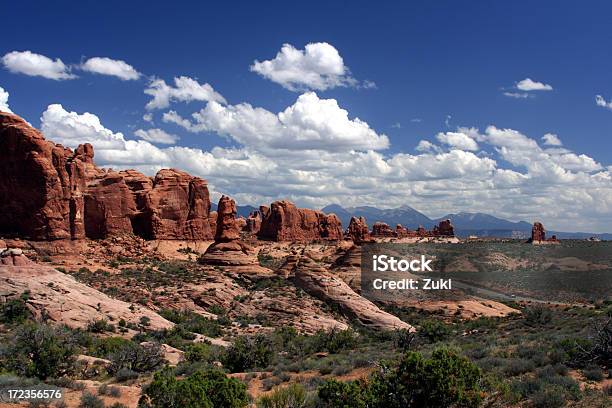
[(29, 63), (185, 90), (310, 123), (156, 136), (458, 140), (528, 84), (112, 67), (318, 66), (550, 139), (4, 95), (600, 101)]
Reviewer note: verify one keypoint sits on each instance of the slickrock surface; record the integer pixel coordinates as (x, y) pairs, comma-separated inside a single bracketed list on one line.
[(283, 221), (62, 299), (315, 280), (62, 194)]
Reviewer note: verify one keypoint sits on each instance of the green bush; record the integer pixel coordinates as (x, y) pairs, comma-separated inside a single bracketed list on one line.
[(15, 311), (136, 357), (100, 326), (353, 394), (193, 322), (248, 353), (39, 350), (333, 340), (198, 352), (104, 347), (443, 380), (292, 396), (203, 389), (434, 330)]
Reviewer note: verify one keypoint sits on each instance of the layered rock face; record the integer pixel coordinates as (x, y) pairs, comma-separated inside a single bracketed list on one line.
[(49, 192), (358, 230), (283, 221)]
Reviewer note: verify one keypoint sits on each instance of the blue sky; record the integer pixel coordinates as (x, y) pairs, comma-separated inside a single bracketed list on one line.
[(437, 67)]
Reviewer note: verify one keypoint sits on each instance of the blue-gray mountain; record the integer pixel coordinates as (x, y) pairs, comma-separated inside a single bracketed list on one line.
[(465, 223)]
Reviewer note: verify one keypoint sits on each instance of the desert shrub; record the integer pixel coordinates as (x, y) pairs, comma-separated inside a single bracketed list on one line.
[(39, 350), (434, 330), (105, 389), (15, 311), (103, 347), (125, 374), (292, 396), (403, 339), (137, 357), (100, 326), (549, 397), (202, 389), (198, 352), (443, 380), (337, 394), (193, 322), (537, 315), (518, 366), (248, 353), (88, 400), (333, 341), (593, 373)]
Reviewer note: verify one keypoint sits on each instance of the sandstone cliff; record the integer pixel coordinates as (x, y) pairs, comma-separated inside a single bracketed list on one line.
[(49, 192)]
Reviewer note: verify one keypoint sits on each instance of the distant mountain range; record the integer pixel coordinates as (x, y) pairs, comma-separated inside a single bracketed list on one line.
[(465, 223)]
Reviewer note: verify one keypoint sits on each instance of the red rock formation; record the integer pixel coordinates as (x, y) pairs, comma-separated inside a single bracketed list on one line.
[(444, 229), (283, 221), (227, 229), (422, 232), (358, 230), (538, 233), (49, 192), (253, 222), (382, 230)]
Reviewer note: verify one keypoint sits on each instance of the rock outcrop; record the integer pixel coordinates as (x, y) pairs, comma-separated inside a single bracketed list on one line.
[(61, 299), (49, 192), (253, 222), (444, 229), (538, 235), (358, 230), (283, 221), (382, 230), (318, 282), (228, 249)]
